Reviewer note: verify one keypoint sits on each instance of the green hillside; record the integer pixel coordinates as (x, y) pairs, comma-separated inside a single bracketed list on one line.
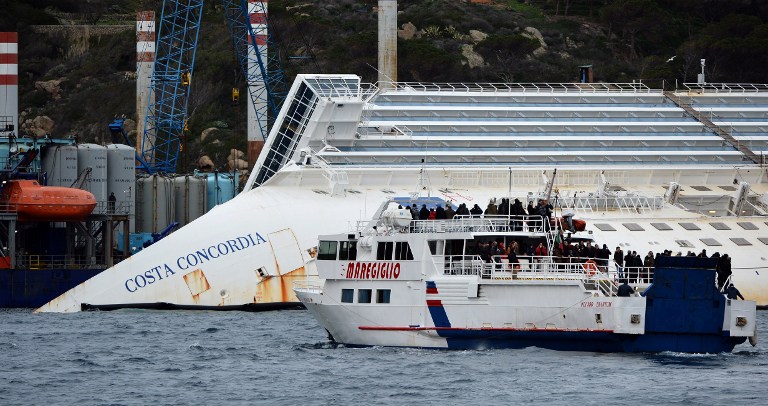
[(77, 58)]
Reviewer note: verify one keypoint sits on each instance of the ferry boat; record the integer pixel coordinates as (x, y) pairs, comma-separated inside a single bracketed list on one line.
[(433, 283), (687, 165)]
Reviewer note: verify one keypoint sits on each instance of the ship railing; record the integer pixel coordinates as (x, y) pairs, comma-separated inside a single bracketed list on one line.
[(538, 88), (44, 261), (120, 208), (309, 285), (620, 202), (480, 224), (528, 267), (635, 275), (725, 87)]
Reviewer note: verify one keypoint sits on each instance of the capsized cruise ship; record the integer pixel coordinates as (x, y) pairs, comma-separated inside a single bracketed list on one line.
[(648, 170)]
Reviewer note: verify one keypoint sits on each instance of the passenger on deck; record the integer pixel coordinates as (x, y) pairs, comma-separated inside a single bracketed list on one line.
[(703, 254), (414, 212), (724, 271), (733, 293), (462, 210), (432, 214), (424, 212), (449, 212), (624, 289), (476, 210), (504, 207), (440, 213), (648, 263), (618, 258), (491, 209), (545, 211), (540, 252)]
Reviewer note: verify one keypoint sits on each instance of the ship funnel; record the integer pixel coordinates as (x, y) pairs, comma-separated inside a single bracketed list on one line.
[(387, 43)]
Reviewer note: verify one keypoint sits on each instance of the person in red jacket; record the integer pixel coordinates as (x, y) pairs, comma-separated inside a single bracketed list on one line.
[(539, 252)]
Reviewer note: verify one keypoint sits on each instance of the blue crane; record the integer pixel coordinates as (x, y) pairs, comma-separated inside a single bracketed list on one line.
[(166, 118)]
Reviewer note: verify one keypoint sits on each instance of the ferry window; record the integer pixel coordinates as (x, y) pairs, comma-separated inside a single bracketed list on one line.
[(747, 225), (382, 295), (720, 226), (710, 242), (403, 251), (384, 251), (348, 250), (689, 226), (661, 226), (432, 246), (763, 240), (327, 250), (347, 295), (633, 226), (605, 227), (364, 296)]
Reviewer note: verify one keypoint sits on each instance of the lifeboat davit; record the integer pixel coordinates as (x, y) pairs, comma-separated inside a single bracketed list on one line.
[(33, 202)]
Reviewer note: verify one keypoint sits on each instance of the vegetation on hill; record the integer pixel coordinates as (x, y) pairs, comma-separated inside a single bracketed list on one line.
[(82, 75)]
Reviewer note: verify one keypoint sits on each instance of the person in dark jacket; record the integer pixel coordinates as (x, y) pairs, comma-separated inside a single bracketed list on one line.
[(624, 289), (449, 212), (424, 212), (476, 211), (440, 213), (723, 271), (733, 293), (618, 258)]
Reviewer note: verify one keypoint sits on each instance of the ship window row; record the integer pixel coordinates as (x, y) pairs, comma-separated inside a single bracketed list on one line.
[(366, 295), (332, 250), (400, 250)]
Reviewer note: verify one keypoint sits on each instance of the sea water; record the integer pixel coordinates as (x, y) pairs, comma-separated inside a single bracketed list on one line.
[(196, 357)]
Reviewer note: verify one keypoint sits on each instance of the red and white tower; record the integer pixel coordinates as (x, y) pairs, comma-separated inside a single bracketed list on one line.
[(9, 83), (145, 60), (257, 12)]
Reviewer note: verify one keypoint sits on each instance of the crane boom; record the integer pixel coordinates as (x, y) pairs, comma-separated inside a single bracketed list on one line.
[(267, 87), (166, 115)]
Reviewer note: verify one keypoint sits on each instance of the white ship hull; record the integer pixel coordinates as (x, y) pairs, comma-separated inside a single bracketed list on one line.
[(328, 165)]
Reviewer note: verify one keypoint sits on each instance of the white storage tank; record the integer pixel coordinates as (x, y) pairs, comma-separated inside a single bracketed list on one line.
[(95, 157), (121, 179), (60, 165), (155, 203), (190, 195), (222, 186)]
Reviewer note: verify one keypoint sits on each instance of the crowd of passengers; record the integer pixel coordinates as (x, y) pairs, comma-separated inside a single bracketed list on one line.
[(504, 208), (630, 265)]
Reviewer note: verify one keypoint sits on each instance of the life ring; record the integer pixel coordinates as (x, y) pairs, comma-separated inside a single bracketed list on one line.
[(590, 267)]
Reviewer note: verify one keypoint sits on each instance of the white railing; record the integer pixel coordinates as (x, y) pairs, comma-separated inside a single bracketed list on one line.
[(312, 286), (633, 87), (726, 87), (480, 224)]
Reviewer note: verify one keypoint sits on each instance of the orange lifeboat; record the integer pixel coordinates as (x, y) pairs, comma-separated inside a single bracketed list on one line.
[(33, 202)]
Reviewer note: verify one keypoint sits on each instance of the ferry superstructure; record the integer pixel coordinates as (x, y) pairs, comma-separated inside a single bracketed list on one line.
[(339, 147)]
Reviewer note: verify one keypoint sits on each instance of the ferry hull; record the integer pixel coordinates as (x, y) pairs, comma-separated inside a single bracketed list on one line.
[(681, 312)]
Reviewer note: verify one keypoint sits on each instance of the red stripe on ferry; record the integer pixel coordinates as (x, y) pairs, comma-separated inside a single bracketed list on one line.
[(431, 291), (434, 303), (562, 330)]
